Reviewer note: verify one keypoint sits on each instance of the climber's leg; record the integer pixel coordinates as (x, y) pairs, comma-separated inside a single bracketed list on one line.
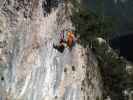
[(60, 48)]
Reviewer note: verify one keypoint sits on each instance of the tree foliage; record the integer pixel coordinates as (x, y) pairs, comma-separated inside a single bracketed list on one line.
[(90, 25), (112, 70)]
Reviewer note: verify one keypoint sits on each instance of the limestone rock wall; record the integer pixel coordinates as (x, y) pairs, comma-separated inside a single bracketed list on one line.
[(30, 69)]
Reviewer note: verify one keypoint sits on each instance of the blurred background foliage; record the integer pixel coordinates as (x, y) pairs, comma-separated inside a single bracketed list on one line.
[(89, 26)]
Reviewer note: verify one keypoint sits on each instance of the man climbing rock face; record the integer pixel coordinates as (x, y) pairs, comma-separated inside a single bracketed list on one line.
[(69, 40)]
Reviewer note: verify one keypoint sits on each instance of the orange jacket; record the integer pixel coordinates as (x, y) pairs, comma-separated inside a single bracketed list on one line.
[(70, 39)]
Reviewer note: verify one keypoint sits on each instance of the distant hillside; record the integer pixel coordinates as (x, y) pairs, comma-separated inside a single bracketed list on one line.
[(122, 10)]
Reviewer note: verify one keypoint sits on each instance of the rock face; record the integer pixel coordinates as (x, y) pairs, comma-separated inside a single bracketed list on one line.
[(30, 69)]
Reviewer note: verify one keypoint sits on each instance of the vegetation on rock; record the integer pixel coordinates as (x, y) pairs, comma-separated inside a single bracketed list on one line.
[(90, 25)]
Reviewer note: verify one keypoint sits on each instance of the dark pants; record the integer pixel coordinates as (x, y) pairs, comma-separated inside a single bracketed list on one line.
[(60, 48)]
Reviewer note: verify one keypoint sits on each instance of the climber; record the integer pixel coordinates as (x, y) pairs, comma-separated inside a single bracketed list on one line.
[(66, 40)]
